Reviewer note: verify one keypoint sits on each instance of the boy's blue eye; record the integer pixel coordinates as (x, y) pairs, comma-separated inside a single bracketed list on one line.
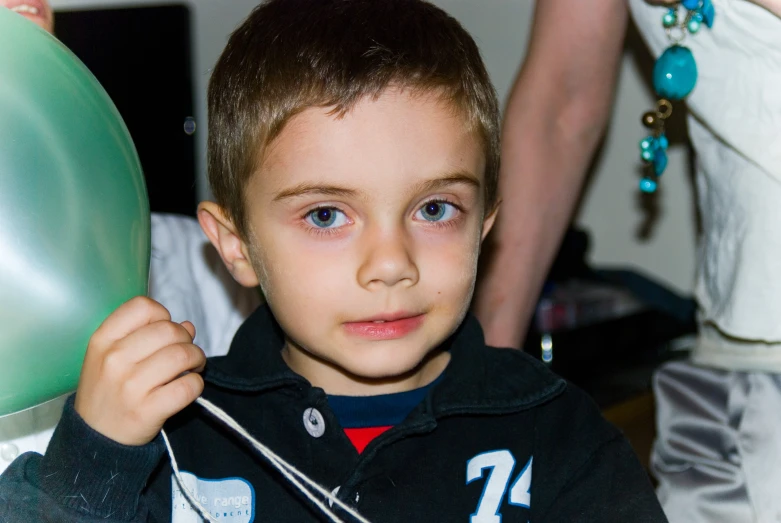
[(326, 218), (437, 211)]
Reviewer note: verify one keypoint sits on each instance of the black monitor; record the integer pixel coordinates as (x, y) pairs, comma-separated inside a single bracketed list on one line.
[(141, 56)]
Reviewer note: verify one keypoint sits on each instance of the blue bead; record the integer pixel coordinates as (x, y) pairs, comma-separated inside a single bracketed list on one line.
[(693, 26), (669, 19), (675, 73), (708, 13), (647, 185), (662, 141), (660, 161), (646, 143), (691, 4), (647, 155), (697, 15)]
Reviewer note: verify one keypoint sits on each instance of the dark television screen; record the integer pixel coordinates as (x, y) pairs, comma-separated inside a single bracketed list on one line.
[(141, 55)]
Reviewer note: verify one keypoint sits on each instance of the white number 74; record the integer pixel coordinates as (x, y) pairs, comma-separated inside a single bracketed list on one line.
[(500, 464)]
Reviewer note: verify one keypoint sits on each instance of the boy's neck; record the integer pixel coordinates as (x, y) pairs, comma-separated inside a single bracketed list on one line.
[(338, 382)]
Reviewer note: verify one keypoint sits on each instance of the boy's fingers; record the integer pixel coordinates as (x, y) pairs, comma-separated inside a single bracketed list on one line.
[(147, 340), (127, 318), (175, 396), (164, 366), (190, 328)]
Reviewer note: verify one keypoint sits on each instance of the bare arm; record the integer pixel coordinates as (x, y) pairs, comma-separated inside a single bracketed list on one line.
[(557, 113), (774, 6)]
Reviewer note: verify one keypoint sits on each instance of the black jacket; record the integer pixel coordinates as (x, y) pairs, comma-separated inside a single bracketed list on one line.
[(499, 435)]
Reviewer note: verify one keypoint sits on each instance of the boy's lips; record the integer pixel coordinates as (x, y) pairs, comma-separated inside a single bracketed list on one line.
[(385, 326)]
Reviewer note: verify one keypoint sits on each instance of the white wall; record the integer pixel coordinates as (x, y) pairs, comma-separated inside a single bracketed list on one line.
[(610, 209)]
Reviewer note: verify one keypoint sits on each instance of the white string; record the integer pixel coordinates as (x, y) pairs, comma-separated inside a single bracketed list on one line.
[(279, 465), (287, 470), (187, 494)]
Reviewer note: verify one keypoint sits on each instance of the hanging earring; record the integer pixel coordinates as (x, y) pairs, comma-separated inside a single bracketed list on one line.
[(674, 77)]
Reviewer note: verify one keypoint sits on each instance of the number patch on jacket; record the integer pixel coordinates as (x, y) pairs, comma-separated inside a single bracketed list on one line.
[(496, 467)]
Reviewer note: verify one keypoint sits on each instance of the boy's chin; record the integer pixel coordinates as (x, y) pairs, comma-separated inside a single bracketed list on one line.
[(368, 370), (394, 372)]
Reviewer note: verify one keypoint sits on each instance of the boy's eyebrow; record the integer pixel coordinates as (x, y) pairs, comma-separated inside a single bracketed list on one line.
[(459, 177), (310, 188)]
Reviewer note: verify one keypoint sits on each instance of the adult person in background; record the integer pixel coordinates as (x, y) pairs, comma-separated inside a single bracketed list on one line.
[(181, 256), (718, 452)]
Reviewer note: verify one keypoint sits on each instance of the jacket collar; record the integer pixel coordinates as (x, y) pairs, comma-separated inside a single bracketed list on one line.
[(478, 379)]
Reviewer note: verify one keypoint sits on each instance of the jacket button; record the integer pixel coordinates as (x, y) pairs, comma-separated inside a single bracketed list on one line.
[(314, 422), (8, 452)]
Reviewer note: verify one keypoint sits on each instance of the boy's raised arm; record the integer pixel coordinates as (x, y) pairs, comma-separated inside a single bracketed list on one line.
[(84, 477), (140, 369)]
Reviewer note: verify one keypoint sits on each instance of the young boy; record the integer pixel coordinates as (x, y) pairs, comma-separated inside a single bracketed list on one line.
[(353, 154)]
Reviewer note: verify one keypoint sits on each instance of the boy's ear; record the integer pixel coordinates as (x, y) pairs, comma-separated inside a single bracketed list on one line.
[(226, 239), (489, 220)]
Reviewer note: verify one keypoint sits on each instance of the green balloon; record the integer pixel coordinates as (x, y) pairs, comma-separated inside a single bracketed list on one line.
[(74, 214)]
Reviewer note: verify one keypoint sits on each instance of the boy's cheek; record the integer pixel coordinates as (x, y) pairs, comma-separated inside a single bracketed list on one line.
[(447, 257), (301, 277)]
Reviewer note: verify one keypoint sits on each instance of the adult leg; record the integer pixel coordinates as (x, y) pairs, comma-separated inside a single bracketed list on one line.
[(697, 457)]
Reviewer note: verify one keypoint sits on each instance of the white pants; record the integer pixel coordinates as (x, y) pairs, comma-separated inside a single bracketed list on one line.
[(718, 451)]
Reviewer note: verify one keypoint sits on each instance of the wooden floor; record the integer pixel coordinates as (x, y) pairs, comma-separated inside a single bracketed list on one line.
[(636, 418)]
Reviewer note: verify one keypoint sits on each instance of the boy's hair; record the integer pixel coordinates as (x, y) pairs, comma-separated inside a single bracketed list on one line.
[(293, 54)]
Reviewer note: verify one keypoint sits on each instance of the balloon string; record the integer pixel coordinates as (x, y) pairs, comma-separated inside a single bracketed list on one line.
[(187, 494), (292, 474)]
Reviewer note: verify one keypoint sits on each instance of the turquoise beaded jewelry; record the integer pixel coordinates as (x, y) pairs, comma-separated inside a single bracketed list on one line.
[(674, 77)]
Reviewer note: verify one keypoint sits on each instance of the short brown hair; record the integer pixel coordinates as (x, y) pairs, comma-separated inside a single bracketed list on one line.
[(293, 54)]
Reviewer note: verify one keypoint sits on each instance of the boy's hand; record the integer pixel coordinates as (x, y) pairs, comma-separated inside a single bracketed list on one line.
[(140, 369)]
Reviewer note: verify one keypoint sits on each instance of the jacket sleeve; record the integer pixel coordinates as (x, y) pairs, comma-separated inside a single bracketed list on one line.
[(591, 472), (83, 477), (611, 486)]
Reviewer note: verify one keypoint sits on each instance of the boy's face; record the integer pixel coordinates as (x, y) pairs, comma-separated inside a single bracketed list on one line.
[(364, 236)]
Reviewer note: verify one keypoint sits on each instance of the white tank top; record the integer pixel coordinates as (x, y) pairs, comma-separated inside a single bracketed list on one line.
[(735, 128)]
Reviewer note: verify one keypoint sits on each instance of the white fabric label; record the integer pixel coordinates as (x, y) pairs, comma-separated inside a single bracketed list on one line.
[(231, 500)]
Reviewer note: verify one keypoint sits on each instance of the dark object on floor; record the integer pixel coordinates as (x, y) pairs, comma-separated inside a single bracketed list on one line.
[(607, 330)]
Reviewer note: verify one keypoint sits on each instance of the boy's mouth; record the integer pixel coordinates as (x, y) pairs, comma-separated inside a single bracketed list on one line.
[(385, 326)]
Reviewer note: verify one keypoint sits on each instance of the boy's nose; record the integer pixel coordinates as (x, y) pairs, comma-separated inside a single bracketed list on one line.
[(387, 261)]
